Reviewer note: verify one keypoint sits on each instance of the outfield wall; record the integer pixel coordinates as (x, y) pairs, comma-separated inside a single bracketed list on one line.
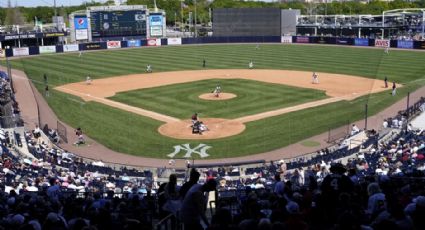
[(35, 50)]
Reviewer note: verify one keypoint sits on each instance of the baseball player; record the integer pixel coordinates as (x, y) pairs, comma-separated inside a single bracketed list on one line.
[(148, 68), (394, 89), (88, 80), (386, 82), (80, 54), (315, 78), (251, 64), (387, 50), (217, 91)]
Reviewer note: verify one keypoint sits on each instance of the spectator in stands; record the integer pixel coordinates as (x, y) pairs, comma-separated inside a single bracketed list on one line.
[(354, 129), (171, 194), (193, 179), (279, 187), (37, 134), (194, 205), (377, 202), (332, 186), (80, 138)]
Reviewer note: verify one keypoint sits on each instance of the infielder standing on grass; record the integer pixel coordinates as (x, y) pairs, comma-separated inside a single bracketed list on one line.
[(387, 50)]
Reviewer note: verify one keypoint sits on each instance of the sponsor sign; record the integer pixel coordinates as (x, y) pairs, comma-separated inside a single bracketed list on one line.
[(54, 35), (301, 40), (81, 34), (405, 44), (25, 51), (80, 23), (70, 48), (174, 41), (134, 43), (93, 46), (113, 44), (321, 40), (361, 42), (156, 31), (343, 41), (422, 44), (154, 42), (2, 53), (382, 43), (47, 49), (155, 20), (286, 39)]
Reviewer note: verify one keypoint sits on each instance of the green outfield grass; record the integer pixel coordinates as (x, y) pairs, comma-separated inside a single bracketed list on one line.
[(182, 100), (129, 133)]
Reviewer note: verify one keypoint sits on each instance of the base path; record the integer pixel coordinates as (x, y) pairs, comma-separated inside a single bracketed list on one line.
[(335, 85)]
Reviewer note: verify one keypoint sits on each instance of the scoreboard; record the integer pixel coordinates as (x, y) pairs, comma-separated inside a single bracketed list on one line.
[(118, 23)]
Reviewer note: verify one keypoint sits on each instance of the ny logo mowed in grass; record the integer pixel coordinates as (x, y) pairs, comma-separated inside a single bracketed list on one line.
[(201, 150)]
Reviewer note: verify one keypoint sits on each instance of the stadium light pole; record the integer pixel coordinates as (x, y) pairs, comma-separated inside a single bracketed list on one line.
[(195, 31), (423, 17)]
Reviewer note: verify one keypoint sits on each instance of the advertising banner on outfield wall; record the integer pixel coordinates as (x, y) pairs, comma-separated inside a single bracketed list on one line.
[(2, 53), (154, 42), (47, 49), (302, 40), (286, 39), (382, 43), (361, 42), (174, 41), (92, 46), (344, 41), (113, 44), (405, 44), (70, 48), (134, 43), (21, 51)]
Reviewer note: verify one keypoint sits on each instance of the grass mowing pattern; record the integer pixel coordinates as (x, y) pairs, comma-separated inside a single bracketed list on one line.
[(137, 135), (181, 100)]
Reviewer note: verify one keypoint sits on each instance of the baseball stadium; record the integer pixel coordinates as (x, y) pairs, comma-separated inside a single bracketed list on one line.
[(261, 106)]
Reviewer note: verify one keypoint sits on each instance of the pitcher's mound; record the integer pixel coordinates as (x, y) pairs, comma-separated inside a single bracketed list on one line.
[(218, 128), (223, 96)]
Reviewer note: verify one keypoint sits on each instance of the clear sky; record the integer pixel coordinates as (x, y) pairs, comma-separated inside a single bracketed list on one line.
[(34, 3)]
